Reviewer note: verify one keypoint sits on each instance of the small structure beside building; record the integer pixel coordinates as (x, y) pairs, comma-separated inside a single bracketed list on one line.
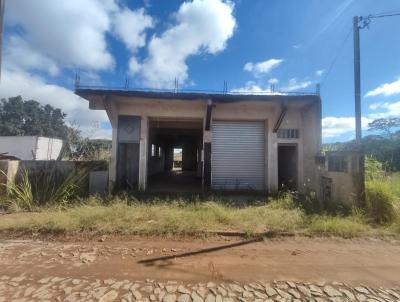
[(340, 179), (30, 147), (228, 141)]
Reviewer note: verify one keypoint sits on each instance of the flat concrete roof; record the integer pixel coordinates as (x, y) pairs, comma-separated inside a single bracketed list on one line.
[(192, 96)]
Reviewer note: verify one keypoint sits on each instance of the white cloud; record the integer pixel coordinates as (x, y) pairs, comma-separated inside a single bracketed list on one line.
[(386, 89), (252, 87), (70, 33), (297, 46), (392, 108), (336, 126), (130, 27), (19, 55), (386, 110), (294, 85), (14, 83), (263, 67), (375, 106), (273, 81), (94, 132), (102, 134), (202, 26), (320, 72)]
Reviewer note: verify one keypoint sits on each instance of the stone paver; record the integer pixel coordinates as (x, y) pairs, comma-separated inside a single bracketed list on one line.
[(52, 288)]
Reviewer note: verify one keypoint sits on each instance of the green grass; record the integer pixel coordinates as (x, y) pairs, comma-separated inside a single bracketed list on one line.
[(198, 216), (394, 184), (124, 217), (155, 219), (347, 227)]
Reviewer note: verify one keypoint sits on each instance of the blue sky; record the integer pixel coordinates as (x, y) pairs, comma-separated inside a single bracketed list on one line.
[(250, 44)]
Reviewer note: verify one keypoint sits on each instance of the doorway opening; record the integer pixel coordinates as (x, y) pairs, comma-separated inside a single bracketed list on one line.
[(175, 165), (287, 166)]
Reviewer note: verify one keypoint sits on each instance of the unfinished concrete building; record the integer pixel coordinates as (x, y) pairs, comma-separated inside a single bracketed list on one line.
[(227, 141)]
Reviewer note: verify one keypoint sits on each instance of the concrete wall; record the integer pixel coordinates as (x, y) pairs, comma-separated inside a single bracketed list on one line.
[(156, 163), (310, 146), (299, 115), (343, 185), (31, 147), (98, 182)]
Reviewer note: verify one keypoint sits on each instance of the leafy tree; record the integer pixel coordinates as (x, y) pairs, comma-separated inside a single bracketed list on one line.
[(19, 117), (387, 125), (83, 148)]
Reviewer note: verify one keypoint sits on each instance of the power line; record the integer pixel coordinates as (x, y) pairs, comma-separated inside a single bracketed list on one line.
[(365, 19), (385, 14), (339, 50)]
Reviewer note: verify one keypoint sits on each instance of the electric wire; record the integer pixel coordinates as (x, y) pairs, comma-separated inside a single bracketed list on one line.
[(336, 57), (380, 15), (385, 14)]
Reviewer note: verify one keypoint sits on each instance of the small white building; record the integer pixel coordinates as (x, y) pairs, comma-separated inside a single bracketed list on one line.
[(31, 147), (228, 141)]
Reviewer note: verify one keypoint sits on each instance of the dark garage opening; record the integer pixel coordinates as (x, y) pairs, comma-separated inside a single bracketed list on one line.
[(174, 162), (287, 166)]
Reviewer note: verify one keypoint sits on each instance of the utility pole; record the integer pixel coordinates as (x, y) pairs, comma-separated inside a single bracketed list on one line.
[(357, 84), (2, 5), (357, 101)]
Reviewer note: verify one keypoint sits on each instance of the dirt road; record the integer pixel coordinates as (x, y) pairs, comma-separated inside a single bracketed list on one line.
[(212, 270), (364, 262)]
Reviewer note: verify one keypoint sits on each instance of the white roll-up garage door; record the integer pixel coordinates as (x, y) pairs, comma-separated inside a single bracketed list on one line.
[(237, 155)]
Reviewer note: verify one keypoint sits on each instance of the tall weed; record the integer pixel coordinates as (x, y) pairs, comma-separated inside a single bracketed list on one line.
[(379, 202), (30, 191), (374, 169), (20, 193)]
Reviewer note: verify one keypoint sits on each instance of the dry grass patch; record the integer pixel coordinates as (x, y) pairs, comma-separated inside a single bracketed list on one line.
[(193, 216), (156, 219)]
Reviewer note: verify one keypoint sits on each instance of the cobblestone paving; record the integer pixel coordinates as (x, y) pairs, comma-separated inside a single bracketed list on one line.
[(27, 288)]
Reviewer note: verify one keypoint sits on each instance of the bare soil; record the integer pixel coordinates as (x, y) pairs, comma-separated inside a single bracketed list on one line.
[(373, 262)]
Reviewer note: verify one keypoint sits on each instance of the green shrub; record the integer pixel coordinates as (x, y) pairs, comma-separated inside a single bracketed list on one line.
[(379, 202)]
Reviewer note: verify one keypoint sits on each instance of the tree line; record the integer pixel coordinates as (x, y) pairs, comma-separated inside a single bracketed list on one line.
[(383, 145)]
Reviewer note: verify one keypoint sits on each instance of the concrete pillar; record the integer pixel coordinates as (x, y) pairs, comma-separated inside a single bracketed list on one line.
[(143, 154), (300, 157), (199, 161), (272, 159), (8, 172), (207, 140), (266, 142), (112, 112), (112, 170)]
